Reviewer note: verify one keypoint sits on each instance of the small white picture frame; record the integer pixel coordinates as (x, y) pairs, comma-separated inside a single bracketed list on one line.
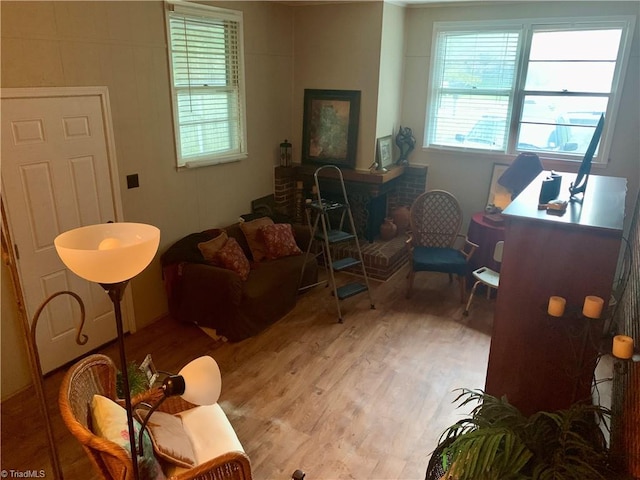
[(149, 370), (384, 152)]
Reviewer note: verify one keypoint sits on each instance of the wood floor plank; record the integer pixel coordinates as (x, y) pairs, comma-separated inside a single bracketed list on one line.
[(366, 399)]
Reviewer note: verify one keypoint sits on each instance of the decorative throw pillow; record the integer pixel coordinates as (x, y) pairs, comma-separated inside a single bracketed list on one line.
[(279, 241), (233, 258), (250, 230), (170, 441), (109, 421), (210, 248)]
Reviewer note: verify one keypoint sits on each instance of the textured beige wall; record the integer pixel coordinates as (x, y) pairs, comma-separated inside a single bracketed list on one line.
[(337, 47), (391, 72), (468, 175), (122, 45)]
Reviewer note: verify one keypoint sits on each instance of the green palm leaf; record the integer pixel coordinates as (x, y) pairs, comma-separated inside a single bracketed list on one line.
[(496, 442)]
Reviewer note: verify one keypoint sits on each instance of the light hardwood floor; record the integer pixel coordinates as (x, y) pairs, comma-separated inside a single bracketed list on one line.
[(366, 399)]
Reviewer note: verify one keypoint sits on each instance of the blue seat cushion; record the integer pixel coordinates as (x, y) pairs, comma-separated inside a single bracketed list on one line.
[(434, 259)]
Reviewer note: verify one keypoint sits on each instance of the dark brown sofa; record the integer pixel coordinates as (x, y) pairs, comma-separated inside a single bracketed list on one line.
[(215, 297)]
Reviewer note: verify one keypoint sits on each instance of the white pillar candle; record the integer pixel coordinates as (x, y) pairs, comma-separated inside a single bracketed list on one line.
[(622, 346), (556, 306), (592, 306)]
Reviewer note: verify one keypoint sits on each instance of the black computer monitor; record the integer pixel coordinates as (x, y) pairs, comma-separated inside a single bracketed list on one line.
[(580, 185)]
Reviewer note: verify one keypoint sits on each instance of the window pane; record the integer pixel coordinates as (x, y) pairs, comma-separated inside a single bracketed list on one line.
[(472, 121), (207, 122), (199, 52), (208, 137), (559, 124), (576, 45), (593, 77), (485, 60), (474, 81), (549, 107)]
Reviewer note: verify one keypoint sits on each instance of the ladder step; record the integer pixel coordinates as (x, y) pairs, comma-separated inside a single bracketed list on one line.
[(350, 289), (325, 205), (345, 263), (335, 236)]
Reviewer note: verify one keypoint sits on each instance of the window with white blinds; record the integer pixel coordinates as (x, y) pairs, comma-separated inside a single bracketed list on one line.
[(475, 71), (205, 55), (532, 86)]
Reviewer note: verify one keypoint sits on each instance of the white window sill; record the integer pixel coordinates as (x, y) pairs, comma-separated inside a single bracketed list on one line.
[(213, 161), (551, 163)]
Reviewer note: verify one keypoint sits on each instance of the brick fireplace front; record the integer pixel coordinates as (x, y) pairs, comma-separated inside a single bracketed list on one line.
[(372, 197)]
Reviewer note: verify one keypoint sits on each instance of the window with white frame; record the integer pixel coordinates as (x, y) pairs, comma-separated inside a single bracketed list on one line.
[(536, 86), (207, 83)]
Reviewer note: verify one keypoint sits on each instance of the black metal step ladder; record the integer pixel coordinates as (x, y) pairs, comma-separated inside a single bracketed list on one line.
[(319, 213)]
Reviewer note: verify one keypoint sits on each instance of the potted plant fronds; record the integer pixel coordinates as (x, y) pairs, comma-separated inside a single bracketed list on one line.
[(497, 442), (138, 381)]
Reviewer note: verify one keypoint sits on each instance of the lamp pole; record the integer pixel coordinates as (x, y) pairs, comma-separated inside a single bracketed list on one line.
[(111, 254), (116, 293)]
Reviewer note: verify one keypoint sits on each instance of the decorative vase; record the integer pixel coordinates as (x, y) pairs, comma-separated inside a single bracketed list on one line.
[(388, 229), (400, 217), (406, 142)]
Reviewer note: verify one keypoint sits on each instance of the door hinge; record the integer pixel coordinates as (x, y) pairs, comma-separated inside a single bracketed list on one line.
[(15, 249)]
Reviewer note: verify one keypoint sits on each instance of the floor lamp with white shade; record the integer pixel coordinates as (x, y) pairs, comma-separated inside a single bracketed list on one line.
[(111, 254)]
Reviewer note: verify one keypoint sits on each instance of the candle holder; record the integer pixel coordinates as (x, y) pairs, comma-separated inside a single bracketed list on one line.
[(621, 365), (577, 324), (592, 307)]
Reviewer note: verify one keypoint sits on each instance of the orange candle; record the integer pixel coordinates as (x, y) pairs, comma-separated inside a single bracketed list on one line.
[(622, 346), (592, 307), (556, 306)]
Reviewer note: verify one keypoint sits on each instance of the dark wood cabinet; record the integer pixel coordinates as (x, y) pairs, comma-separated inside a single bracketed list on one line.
[(541, 362)]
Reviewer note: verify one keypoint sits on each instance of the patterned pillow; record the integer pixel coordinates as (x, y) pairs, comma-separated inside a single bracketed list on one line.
[(211, 247), (233, 258), (250, 230), (279, 241), (109, 421), (170, 441)]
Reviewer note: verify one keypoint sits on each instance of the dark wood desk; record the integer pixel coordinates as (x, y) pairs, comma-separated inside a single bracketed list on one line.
[(538, 361)]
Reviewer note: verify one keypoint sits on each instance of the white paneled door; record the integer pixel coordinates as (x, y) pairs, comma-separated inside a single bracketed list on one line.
[(59, 173)]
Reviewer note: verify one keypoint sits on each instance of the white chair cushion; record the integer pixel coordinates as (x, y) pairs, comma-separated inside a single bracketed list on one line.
[(210, 432)]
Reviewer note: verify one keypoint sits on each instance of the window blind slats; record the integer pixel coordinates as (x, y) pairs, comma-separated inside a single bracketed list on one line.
[(201, 53), (478, 60), (474, 83)]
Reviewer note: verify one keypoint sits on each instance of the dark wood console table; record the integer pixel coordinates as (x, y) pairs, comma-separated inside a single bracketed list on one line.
[(540, 362)]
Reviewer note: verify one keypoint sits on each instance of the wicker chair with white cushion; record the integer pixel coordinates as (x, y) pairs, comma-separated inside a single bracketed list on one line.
[(217, 452)]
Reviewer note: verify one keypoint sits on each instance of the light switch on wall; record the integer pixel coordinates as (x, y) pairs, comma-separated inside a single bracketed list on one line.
[(132, 181)]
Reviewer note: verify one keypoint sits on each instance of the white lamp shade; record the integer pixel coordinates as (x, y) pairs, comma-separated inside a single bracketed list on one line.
[(108, 252), (203, 382)]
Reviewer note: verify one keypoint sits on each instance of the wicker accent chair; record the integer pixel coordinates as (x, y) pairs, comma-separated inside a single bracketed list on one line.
[(435, 221), (96, 374)]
